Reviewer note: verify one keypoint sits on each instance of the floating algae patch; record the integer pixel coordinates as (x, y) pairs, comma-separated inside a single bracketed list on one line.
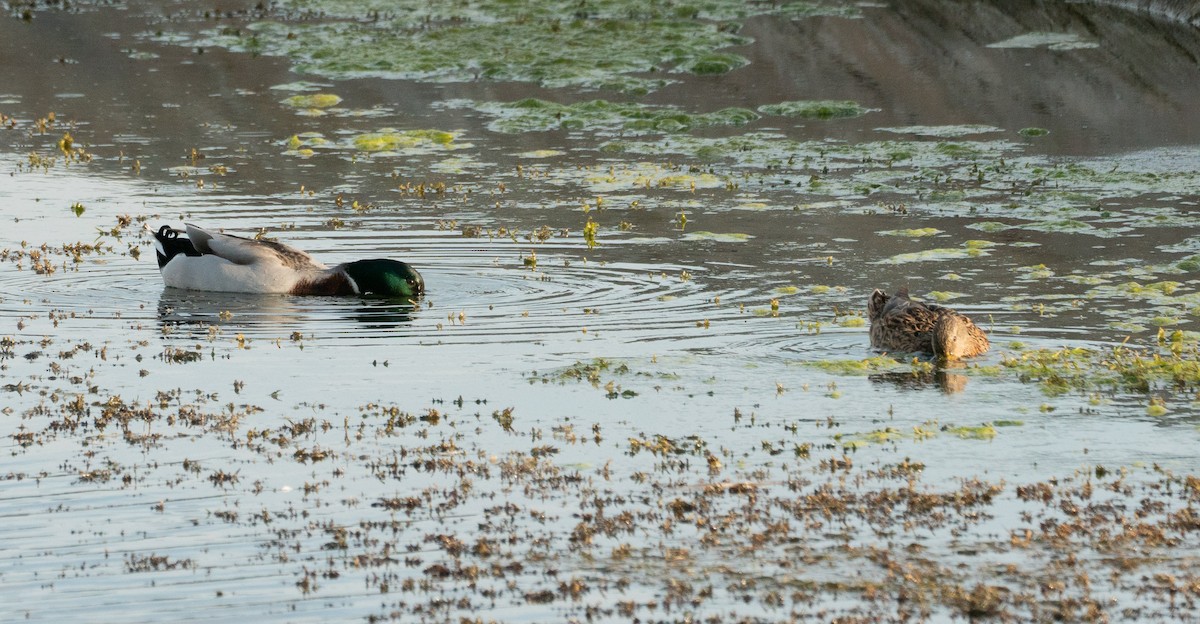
[(553, 52), (866, 366), (313, 100), (1033, 132), (390, 140), (1170, 362), (415, 13), (381, 143), (1050, 40), (1073, 226), (543, 153), (969, 249), (946, 132), (989, 226), (537, 115), (869, 163), (981, 432), (986, 431), (638, 175), (1036, 271), (815, 109), (942, 296), (911, 233), (720, 237)]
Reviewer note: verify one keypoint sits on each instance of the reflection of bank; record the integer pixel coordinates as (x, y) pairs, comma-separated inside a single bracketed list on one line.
[(194, 314), (948, 381)]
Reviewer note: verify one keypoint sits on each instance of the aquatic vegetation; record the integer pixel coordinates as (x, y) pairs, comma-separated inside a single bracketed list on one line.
[(911, 233), (969, 249), (989, 226), (315, 100), (579, 53), (383, 142), (550, 42), (948, 131), (632, 175), (866, 366), (724, 237), (390, 140), (1033, 132), (815, 109), (536, 115), (1171, 364)]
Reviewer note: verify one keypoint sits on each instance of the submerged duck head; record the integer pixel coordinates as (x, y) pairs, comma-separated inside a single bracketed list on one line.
[(955, 337), (386, 278)]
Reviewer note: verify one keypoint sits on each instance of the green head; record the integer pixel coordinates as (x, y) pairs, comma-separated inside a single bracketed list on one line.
[(387, 278)]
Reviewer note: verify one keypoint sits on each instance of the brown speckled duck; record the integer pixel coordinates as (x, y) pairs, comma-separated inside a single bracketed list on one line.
[(901, 324)]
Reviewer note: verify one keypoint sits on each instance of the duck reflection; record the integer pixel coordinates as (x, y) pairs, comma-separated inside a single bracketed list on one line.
[(942, 378), (192, 313)]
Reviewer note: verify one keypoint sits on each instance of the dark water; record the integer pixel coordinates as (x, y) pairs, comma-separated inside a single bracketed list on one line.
[(625, 430)]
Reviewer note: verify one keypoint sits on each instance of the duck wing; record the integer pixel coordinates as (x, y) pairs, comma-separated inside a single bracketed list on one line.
[(245, 251)]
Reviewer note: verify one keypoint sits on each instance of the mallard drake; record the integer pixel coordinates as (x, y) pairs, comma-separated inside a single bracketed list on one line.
[(900, 324), (221, 262)]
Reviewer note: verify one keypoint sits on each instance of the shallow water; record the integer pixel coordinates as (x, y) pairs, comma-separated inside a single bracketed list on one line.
[(675, 417)]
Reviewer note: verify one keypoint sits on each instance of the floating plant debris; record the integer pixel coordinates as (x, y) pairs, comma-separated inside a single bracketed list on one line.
[(536, 115), (815, 109)]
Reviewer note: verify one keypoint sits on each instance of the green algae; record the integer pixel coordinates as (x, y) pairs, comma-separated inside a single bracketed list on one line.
[(989, 226), (985, 431), (859, 367), (1172, 361), (720, 237), (981, 432), (947, 132), (815, 109), (314, 100), (398, 140), (554, 43), (1033, 132), (1166, 287), (381, 143), (969, 249), (715, 63), (414, 13), (644, 175), (1037, 271), (595, 54), (911, 233), (786, 290), (537, 115)]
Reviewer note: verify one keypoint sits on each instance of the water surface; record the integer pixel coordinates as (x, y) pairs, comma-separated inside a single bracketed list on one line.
[(640, 382)]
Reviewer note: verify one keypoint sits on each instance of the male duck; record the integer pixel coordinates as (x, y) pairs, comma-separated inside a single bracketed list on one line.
[(901, 324), (212, 261)]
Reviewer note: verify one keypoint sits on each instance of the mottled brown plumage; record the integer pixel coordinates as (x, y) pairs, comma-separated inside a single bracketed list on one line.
[(901, 324)]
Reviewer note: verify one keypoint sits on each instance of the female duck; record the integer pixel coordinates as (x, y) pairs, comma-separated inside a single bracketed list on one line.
[(901, 324), (220, 262)]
